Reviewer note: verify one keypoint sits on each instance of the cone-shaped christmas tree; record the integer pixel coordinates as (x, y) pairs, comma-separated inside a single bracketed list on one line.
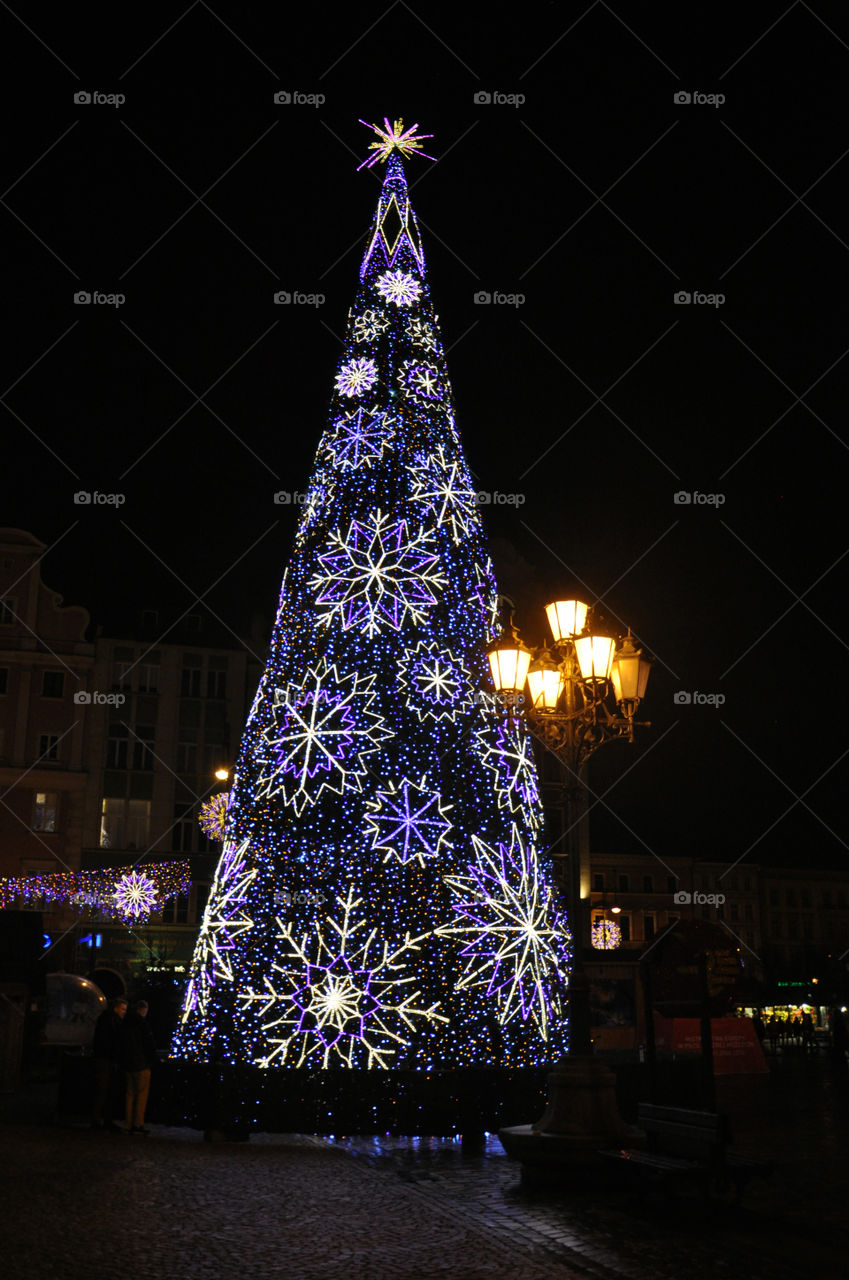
[(379, 901)]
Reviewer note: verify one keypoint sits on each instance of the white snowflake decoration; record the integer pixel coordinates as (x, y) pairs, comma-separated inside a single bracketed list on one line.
[(421, 333), (346, 1001), (508, 753), (356, 376), (135, 895), (437, 684), (512, 939), (319, 736), (409, 823), (223, 920), (420, 381), (360, 437), (444, 484), (398, 287), (379, 574), (369, 326)]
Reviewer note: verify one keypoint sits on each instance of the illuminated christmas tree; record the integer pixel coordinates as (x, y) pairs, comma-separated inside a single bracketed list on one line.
[(379, 901)]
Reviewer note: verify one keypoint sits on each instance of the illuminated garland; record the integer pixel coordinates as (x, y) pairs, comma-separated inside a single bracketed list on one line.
[(380, 901), (605, 935), (121, 893)]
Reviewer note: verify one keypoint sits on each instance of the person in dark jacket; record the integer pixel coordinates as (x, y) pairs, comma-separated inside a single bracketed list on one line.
[(107, 1048), (138, 1054)]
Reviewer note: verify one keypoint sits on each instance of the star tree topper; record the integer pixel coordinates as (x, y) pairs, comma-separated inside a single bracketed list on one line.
[(394, 137)]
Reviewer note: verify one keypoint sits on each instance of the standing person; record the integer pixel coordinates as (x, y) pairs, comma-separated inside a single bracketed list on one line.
[(107, 1062), (839, 1039), (138, 1056)]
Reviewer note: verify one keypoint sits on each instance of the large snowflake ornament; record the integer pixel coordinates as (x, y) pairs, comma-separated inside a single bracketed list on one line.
[(436, 683), (420, 381), (398, 287), (369, 325), (320, 734), (377, 575), (409, 822), (135, 895), (356, 376), (512, 940), (340, 997), (360, 437), (224, 919), (507, 753), (443, 483)]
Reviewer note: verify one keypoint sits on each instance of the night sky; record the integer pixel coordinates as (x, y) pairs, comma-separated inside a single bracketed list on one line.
[(597, 399)]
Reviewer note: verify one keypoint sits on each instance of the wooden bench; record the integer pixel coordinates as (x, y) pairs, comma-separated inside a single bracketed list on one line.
[(690, 1146)]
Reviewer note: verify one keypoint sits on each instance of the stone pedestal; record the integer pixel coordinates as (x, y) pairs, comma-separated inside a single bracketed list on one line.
[(581, 1119)]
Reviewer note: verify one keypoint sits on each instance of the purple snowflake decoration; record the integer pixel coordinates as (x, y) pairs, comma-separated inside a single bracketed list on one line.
[(356, 376), (398, 287)]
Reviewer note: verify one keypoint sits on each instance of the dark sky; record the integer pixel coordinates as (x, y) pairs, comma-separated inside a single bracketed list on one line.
[(598, 398)]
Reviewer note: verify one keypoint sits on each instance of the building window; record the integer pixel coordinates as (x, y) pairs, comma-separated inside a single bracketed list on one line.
[(773, 897), (720, 911), (122, 664), (671, 884), (44, 811), (791, 897), (48, 746), (4, 679), (804, 897), (776, 928), (732, 882), (748, 911), (117, 747), (750, 939), (187, 757), (598, 882), (807, 929), (624, 923), (624, 884), (826, 897), (190, 676), (648, 927), (792, 927), (648, 884), (176, 910), (747, 883), (52, 684), (125, 824), (672, 917), (216, 678), (148, 677), (143, 747), (735, 911), (8, 609)]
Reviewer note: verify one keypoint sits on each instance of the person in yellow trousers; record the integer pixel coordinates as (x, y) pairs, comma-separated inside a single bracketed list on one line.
[(138, 1056)]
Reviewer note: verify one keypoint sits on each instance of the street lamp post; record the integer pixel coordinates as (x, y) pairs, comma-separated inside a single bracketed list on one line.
[(582, 694)]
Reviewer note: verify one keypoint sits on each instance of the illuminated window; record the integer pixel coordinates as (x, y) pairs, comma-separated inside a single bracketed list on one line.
[(44, 811), (125, 824)]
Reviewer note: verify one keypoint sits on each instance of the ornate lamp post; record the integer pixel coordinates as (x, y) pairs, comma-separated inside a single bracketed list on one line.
[(582, 694)]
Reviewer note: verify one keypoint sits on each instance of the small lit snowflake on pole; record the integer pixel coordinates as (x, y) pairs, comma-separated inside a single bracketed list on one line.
[(135, 895), (348, 1002), (394, 137), (409, 822), (378, 574), (356, 376), (515, 943), (605, 935), (212, 818), (398, 287)]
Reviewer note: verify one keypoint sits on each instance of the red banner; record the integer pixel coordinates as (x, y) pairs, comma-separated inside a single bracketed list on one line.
[(736, 1048)]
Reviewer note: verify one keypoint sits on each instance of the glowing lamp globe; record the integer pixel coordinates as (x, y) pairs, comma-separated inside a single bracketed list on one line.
[(630, 673), (509, 659), (567, 619), (595, 656), (545, 683)]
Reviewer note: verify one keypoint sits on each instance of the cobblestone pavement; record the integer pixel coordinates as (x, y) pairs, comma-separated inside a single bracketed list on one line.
[(77, 1203)]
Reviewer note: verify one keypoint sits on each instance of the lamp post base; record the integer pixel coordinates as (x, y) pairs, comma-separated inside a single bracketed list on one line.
[(581, 1120)]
